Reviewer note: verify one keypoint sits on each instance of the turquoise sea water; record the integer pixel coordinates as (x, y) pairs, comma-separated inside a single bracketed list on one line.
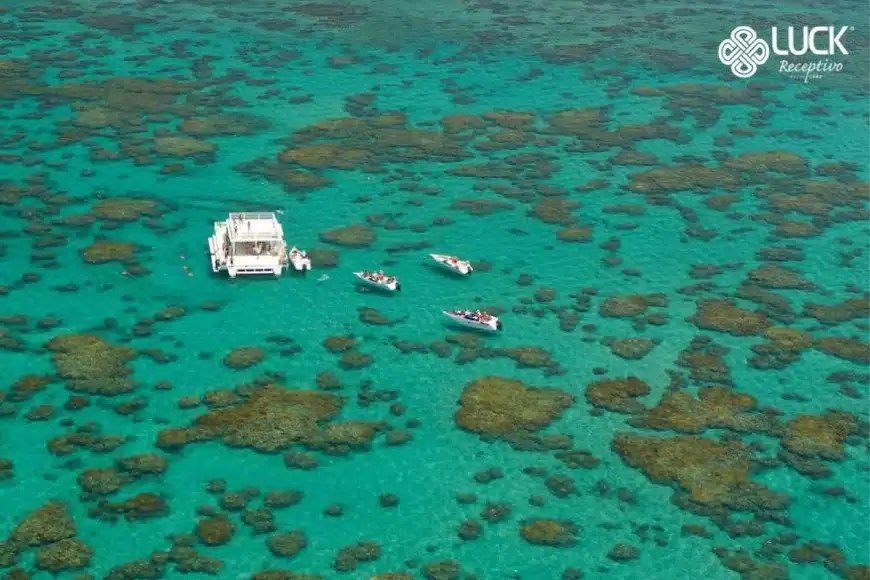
[(667, 106)]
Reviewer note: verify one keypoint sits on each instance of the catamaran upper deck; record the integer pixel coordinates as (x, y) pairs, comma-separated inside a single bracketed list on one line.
[(254, 227)]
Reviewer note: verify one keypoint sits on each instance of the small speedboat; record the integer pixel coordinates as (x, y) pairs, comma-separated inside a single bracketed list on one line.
[(453, 264), (300, 260), (379, 280), (474, 319)]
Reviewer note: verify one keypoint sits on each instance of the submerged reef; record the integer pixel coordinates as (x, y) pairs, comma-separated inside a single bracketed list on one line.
[(497, 407), (678, 258)]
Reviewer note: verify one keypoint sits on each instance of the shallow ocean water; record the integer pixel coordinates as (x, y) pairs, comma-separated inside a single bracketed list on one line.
[(680, 238)]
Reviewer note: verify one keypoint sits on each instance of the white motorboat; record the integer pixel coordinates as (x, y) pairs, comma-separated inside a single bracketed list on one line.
[(474, 319), (379, 280), (300, 260), (453, 264)]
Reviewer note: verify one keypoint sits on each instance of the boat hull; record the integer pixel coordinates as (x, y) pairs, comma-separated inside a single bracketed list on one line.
[(221, 263), (255, 271), (494, 325), (214, 252), (392, 287)]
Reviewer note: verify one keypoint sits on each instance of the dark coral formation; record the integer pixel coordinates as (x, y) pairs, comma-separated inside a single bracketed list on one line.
[(617, 394), (51, 531), (244, 357), (820, 435), (714, 476), (549, 533), (714, 408), (725, 316), (497, 407), (469, 347), (271, 418), (354, 236), (91, 365)]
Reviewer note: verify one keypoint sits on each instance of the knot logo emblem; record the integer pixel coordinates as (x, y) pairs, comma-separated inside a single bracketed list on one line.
[(744, 52)]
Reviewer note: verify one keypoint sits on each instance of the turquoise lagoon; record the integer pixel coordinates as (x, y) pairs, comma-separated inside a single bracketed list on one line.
[(664, 102)]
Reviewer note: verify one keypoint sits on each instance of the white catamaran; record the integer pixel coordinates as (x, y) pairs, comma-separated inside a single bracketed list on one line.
[(248, 243)]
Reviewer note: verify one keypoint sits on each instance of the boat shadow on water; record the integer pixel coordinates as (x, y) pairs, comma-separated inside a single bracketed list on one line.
[(363, 288)]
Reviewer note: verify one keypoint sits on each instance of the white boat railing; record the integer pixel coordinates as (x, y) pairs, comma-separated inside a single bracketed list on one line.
[(252, 215), (254, 226)]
